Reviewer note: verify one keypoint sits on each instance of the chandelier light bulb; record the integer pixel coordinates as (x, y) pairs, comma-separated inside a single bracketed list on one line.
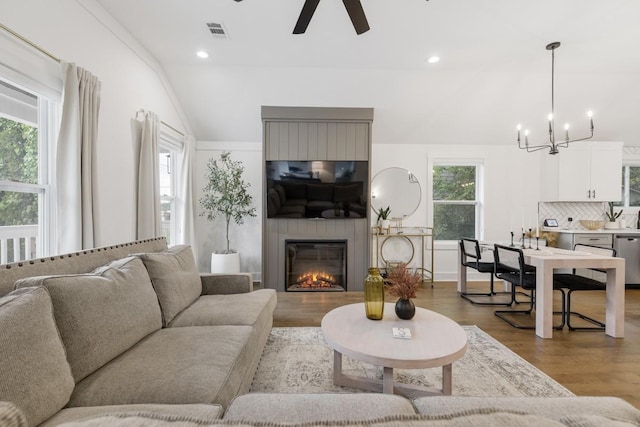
[(589, 114), (566, 126), (550, 117)]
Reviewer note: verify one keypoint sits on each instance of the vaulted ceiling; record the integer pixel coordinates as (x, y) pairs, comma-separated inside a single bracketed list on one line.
[(494, 70)]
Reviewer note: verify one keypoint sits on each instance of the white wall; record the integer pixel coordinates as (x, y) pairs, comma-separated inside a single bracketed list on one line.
[(74, 32)]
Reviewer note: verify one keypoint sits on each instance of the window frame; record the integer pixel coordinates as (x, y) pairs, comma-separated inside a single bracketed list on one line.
[(47, 125), (625, 182), (174, 144), (478, 202)]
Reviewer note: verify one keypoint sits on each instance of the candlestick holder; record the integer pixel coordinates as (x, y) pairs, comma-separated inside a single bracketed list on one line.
[(537, 243), (523, 246), (530, 235), (512, 245)]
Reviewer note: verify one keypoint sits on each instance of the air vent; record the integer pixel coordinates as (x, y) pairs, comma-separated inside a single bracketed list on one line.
[(217, 29)]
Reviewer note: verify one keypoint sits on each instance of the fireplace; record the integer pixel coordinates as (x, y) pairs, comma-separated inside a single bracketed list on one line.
[(315, 265)]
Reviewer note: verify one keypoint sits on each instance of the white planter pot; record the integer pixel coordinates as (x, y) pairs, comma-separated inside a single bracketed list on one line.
[(612, 225), (225, 263), (385, 223)]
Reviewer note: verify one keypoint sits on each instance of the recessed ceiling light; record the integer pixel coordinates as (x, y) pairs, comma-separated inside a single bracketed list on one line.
[(433, 59), (202, 54)]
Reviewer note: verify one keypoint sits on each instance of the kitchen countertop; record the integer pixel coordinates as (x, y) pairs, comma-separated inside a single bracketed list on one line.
[(585, 231)]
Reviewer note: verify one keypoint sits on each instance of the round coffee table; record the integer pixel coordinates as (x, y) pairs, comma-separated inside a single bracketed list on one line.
[(436, 341)]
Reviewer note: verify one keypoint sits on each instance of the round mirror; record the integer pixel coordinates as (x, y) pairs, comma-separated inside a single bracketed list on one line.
[(398, 189)]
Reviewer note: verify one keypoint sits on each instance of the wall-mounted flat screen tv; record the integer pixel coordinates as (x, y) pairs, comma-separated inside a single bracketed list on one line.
[(328, 189)]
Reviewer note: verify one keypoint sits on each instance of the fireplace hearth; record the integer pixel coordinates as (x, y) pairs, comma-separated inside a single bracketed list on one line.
[(316, 265)]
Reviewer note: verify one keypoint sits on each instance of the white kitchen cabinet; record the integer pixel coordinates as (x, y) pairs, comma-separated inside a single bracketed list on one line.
[(584, 172)]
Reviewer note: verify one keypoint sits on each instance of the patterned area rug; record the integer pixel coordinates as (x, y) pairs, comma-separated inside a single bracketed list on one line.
[(298, 360)]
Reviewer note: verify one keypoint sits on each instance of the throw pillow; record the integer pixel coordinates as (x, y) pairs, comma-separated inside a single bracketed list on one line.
[(175, 279), (34, 372), (103, 313)]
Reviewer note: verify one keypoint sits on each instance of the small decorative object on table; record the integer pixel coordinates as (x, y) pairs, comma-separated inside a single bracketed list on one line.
[(613, 223), (383, 218), (404, 286), (374, 295)]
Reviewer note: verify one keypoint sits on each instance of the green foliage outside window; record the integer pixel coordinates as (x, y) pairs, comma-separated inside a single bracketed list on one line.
[(18, 163), (452, 186)]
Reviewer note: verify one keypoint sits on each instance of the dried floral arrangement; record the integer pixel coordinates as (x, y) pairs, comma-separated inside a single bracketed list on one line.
[(404, 284)]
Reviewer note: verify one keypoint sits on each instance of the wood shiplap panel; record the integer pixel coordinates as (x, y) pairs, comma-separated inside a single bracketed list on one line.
[(341, 141), (362, 142), (323, 131), (303, 141), (350, 147), (312, 152), (294, 141), (272, 144), (283, 141), (332, 141)]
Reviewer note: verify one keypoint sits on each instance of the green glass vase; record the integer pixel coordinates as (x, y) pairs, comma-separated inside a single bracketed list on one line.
[(374, 295)]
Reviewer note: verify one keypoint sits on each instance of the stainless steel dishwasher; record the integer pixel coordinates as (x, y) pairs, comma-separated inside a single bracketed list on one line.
[(627, 246)]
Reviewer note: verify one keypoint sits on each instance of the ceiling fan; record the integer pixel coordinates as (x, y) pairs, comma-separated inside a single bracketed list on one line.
[(354, 9)]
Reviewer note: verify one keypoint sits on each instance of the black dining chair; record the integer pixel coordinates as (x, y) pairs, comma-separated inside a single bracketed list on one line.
[(470, 256), (510, 266), (580, 280)]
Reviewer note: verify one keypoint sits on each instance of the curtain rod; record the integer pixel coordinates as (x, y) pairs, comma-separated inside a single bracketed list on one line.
[(172, 128), (55, 58), (29, 42)]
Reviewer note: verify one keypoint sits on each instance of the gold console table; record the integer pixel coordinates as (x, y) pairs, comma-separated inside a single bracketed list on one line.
[(419, 243)]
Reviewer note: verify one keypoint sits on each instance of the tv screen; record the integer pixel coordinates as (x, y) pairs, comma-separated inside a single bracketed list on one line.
[(328, 189)]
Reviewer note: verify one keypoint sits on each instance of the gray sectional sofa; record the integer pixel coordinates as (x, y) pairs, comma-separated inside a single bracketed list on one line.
[(132, 325), (132, 335)]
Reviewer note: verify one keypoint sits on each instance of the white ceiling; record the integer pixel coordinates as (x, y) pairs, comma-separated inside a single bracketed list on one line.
[(494, 71)]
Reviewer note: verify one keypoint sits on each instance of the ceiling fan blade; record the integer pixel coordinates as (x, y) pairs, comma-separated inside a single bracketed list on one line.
[(306, 14), (356, 13)]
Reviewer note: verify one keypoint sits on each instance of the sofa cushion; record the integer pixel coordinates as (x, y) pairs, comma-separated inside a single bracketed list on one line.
[(34, 372), (320, 192), (474, 419), (175, 279), (200, 364), (274, 407), (249, 309), (554, 408), (103, 313), (204, 412)]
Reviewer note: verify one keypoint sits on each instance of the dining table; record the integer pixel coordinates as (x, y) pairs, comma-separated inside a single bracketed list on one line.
[(548, 259)]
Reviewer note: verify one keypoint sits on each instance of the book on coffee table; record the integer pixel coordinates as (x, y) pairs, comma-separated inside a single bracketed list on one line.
[(402, 333)]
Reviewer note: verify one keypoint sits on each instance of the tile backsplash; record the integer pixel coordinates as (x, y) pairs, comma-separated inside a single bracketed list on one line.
[(562, 211)]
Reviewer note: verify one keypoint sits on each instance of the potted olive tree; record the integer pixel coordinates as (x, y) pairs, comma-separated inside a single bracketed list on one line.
[(226, 195)]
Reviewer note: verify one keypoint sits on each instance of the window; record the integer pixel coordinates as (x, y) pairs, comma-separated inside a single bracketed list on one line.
[(630, 186), (26, 136), (169, 153), (456, 201)]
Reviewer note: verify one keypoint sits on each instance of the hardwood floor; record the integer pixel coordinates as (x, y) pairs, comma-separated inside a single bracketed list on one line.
[(586, 362)]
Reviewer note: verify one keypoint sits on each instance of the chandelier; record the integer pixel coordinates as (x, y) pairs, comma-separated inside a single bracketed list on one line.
[(553, 144)]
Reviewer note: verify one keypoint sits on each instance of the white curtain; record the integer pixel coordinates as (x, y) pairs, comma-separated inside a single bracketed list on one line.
[(186, 195), (148, 222), (75, 158)]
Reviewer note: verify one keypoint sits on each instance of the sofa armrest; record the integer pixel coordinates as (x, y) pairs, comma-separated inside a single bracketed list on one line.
[(220, 283)]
